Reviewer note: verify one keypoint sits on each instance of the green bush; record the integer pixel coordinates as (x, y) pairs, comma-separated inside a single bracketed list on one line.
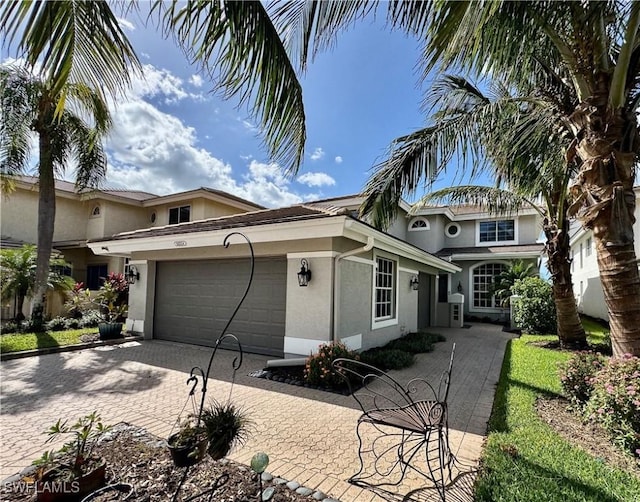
[(91, 319), (318, 367), (57, 324), (10, 327), (535, 312), (577, 376), (415, 343), (615, 401), (387, 359)]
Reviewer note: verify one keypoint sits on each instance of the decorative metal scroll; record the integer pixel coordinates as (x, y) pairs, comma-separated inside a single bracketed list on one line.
[(402, 428), (197, 373)]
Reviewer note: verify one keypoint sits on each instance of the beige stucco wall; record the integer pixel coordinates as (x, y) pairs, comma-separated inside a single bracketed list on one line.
[(122, 218)]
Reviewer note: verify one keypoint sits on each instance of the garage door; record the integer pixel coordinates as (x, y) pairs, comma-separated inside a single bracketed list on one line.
[(195, 299)]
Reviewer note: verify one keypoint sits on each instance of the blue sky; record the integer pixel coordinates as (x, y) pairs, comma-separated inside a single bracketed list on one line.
[(171, 134)]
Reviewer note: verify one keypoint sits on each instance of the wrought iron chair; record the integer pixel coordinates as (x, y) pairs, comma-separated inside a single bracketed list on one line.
[(398, 424)]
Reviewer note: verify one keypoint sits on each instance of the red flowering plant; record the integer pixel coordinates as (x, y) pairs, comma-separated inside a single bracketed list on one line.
[(78, 300), (319, 370), (113, 297)]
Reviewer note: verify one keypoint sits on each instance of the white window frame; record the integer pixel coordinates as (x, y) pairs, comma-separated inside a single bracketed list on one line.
[(392, 320), (496, 220), (453, 224), (178, 208), (95, 214), (587, 250), (419, 229), (472, 308)]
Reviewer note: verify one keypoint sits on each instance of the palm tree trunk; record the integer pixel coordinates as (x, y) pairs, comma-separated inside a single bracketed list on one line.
[(570, 330), (46, 218), (608, 147)]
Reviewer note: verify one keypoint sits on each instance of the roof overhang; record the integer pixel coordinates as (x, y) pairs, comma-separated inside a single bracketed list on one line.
[(507, 255), (318, 228)]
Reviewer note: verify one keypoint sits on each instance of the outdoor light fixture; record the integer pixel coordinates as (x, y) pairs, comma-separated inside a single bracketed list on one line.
[(304, 276), (132, 274), (414, 283), (459, 287)]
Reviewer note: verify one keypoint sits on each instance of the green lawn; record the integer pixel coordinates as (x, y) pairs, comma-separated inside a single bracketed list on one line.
[(31, 341), (597, 334), (525, 460)]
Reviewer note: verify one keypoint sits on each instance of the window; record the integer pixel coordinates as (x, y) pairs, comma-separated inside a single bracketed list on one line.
[(581, 261), (385, 289), (497, 231), (180, 214), (95, 276), (483, 278), (587, 251), (418, 224), (452, 230), (95, 211), (153, 217)]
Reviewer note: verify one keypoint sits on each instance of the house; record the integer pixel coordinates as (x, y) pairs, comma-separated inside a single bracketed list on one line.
[(587, 287), (367, 286), (93, 214)]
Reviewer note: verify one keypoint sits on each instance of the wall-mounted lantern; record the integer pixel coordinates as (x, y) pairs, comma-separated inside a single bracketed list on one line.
[(304, 276), (132, 274), (459, 287), (414, 283)]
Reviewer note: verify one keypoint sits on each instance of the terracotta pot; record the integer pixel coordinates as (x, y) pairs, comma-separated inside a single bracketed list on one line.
[(186, 455), (109, 330), (51, 489)]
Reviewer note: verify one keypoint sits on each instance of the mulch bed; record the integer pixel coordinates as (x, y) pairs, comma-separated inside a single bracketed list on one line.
[(590, 437), (137, 457)]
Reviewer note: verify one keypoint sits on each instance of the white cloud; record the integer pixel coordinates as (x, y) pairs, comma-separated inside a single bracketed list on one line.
[(159, 82), (126, 24), (317, 154), (316, 179), (338, 159), (196, 80)]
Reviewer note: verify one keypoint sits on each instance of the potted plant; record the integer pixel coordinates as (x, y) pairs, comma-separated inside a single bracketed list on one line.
[(112, 299), (188, 445), (72, 472), (226, 425)]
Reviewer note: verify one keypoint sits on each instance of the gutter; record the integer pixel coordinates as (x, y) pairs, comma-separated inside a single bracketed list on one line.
[(336, 282)]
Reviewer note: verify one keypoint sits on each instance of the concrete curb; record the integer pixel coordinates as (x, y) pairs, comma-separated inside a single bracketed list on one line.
[(68, 348)]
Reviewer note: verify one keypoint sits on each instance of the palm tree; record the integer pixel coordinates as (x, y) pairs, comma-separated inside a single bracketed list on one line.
[(29, 107), (505, 280), (511, 138), (18, 273), (591, 48)]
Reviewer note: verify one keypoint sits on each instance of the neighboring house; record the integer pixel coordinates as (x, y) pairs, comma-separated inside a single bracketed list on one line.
[(587, 287), (93, 214)]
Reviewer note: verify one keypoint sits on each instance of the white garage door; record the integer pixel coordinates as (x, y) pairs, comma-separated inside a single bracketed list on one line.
[(195, 299)]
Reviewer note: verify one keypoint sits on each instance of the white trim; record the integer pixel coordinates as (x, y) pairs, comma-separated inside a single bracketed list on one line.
[(408, 270), (302, 346), (357, 259), (481, 215), (515, 240), (497, 256), (313, 254), (487, 310), (353, 342), (179, 208)]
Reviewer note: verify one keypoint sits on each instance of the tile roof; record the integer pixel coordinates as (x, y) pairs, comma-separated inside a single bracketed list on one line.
[(253, 218), (519, 248)]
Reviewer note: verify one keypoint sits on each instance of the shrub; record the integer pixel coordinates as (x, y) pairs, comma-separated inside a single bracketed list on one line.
[(318, 367), (57, 324), (72, 323), (91, 319), (10, 327), (535, 312), (577, 376), (415, 343), (78, 300), (615, 401), (387, 359)]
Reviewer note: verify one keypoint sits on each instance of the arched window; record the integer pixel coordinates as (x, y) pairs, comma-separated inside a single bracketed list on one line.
[(483, 276), (418, 224), (95, 211)]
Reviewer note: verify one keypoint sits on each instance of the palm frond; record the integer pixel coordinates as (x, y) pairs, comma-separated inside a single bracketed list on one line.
[(72, 40), (237, 45)]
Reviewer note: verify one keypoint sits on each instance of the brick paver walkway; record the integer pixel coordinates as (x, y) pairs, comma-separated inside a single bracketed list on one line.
[(308, 434)]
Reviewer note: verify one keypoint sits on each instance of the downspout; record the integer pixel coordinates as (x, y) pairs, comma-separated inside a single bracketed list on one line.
[(336, 280)]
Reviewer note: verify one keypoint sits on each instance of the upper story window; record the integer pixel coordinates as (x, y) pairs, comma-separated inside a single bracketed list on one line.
[(95, 211), (497, 231), (180, 214), (452, 230), (587, 249), (418, 224), (385, 289)]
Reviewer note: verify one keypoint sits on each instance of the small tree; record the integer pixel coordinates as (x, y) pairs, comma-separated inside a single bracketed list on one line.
[(505, 280), (535, 312), (18, 275)]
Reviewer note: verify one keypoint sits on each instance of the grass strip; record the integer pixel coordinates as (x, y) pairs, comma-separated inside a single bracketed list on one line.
[(31, 341)]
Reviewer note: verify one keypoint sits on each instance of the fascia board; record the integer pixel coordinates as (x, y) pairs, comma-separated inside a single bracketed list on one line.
[(578, 234), (390, 244), (277, 232), (498, 256), (199, 194)]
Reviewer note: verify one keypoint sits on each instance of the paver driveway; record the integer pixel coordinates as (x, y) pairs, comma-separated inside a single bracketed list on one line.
[(308, 434)]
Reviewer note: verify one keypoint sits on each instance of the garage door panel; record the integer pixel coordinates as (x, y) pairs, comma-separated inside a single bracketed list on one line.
[(195, 299)]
